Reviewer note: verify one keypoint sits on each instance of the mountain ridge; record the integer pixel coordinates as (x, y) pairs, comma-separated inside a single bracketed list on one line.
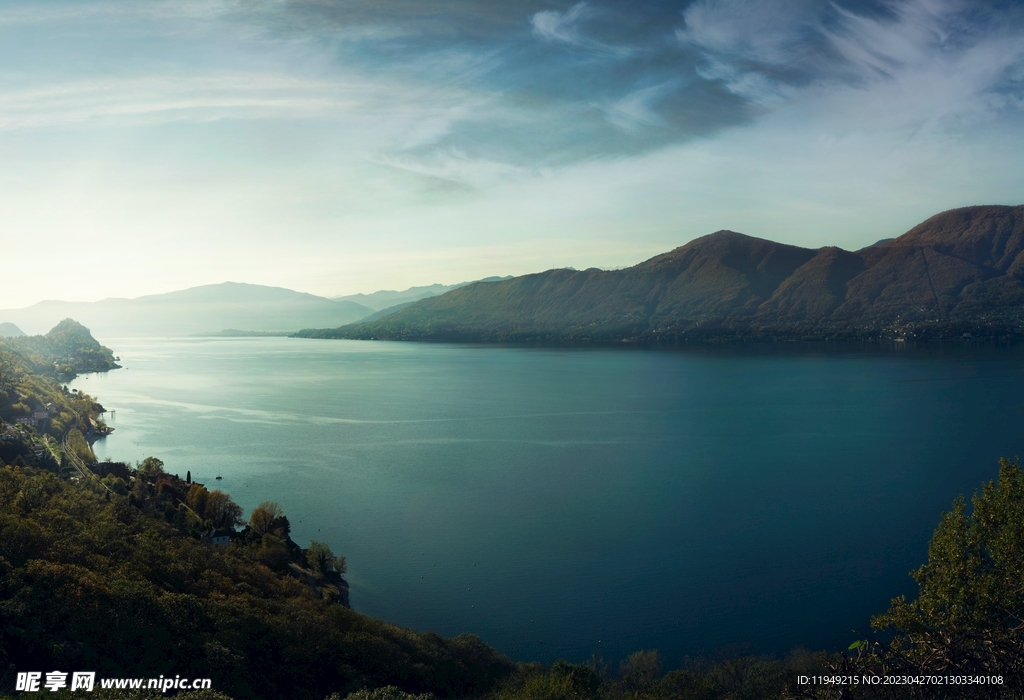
[(385, 299), (206, 308), (960, 271)]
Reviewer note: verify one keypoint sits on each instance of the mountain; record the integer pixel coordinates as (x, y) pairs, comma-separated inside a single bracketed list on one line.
[(9, 330), (960, 272), (387, 299), (66, 350), (388, 311), (197, 310)]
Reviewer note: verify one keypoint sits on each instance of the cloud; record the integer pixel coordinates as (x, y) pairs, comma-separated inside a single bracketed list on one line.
[(870, 47), (953, 57), (173, 98), (51, 12), (637, 109), (560, 26), (765, 31), (564, 27), (456, 170)]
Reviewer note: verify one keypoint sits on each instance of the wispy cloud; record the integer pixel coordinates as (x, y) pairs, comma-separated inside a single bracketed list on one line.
[(440, 127), (638, 108), (952, 56), (172, 98), (565, 27), (49, 12), (919, 32), (457, 169), (763, 31), (561, 26)]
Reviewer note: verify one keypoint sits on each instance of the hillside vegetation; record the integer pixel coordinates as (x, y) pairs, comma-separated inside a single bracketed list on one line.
[(960, 272), (91, 581), (135, 572), (120, 585), (65, 351), (132, 572)]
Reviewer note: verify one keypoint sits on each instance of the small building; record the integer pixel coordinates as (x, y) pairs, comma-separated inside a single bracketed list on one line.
[(218, 537), (25, 420)]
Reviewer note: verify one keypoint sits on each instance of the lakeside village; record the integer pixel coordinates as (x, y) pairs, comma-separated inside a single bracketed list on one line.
[(45, 425)]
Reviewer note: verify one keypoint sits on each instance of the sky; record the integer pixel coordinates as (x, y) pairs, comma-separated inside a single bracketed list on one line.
[(343, 146)]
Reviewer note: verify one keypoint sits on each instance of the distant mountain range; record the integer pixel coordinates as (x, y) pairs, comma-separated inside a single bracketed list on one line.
[(200, 309), (959, 273), (388, 300), (211, 309)]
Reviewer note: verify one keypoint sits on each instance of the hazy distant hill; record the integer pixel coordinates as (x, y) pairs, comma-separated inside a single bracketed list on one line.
[(199, 309), (9, 330), (959, 272), (389, 300)]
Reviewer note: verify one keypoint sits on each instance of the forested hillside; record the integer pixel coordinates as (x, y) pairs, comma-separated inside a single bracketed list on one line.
[(960, 272), (134, 572), (65, 351)]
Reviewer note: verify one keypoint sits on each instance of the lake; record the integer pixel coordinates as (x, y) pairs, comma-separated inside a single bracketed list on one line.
[(562, 502)]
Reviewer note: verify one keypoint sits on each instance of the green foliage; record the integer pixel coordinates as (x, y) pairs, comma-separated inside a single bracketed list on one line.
[(221, 511), (214, 507), (268, 517), (78, 444), (640, 670), (731, 678), (116, 484), (322, 560), (94, 584), (264, 514), (969, 613), (563, 681), (151, 468), (196, 498), (273, 553), (386, 693), (67, 349)]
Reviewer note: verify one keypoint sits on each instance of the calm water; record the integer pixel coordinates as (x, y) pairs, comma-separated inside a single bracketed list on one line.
[(561, 502)]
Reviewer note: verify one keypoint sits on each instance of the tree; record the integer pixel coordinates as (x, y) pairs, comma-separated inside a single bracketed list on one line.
[(563, 681), (221, 510), (196, 499), (968, 617), (322, 559), (640, 670), (151, 468), (263, 516)]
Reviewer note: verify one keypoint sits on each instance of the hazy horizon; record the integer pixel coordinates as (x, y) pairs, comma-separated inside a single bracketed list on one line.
[(332, 297), (340, 148)]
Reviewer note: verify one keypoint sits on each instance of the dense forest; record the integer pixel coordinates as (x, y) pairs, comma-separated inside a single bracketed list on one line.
[(132, 572)]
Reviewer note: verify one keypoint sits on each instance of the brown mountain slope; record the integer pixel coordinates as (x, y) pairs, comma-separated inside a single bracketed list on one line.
[(964, 264), (816, 288), (960, 271)]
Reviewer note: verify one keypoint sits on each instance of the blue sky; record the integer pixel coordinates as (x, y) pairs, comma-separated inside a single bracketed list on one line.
[(343, 146)]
